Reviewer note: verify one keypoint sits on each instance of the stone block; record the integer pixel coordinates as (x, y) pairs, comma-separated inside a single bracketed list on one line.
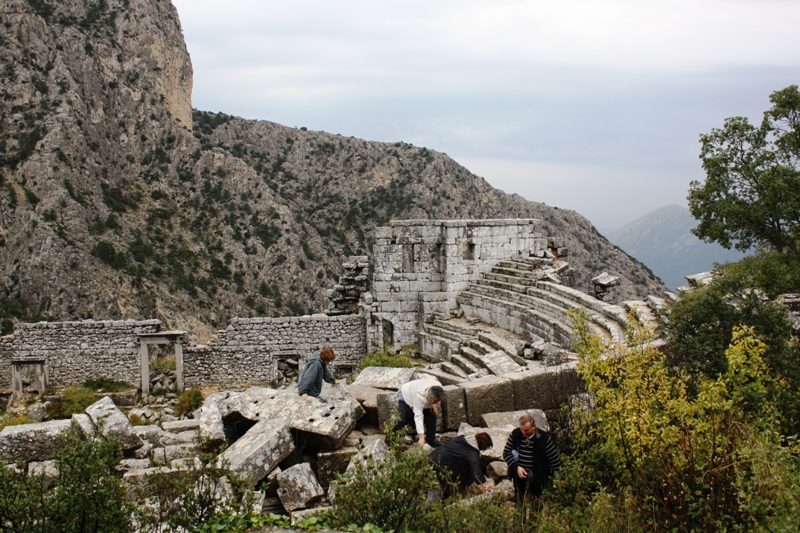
[(83, 423), (152, 434), (112, 421), (368, 398), (384, 377), (327, 426), (295, 516), (487, 395), (499, 438), (335, 462), (260, 450), (497, 470), (454, 408), (31, 442), (544, 387), (178, 426), (298, 488), (179, 451), (511, 418), (387, 407), (375, 448)]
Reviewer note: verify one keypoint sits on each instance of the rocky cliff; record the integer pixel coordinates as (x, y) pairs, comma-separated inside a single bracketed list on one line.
[(118, 201)]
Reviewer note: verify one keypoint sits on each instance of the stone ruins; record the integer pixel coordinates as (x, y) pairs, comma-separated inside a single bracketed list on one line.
[(487, 303)]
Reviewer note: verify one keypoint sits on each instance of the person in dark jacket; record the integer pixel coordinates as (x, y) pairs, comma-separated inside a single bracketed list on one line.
[(458, 463), (310, 383), (531, 457)]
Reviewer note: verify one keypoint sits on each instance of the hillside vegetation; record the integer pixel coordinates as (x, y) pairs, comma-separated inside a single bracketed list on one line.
[(120, 201)]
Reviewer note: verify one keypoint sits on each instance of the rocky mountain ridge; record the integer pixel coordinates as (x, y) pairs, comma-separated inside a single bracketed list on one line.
[(119, 201)]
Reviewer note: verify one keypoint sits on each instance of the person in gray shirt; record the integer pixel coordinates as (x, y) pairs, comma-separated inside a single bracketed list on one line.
[(316, 371)]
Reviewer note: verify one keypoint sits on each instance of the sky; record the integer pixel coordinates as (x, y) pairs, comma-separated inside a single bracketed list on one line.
[(590, 105)]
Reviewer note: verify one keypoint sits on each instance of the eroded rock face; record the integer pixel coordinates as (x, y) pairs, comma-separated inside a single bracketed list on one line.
[(31, 442), (113, 422), (298, 487), (259, 451)]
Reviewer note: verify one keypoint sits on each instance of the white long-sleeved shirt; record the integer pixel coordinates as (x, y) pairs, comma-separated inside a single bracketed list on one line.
[(415, 394)]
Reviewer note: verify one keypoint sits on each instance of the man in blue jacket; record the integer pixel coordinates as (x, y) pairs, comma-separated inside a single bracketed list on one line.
[(316, 371)]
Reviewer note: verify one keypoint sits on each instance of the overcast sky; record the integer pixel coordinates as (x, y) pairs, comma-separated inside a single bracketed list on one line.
[(591, 105)]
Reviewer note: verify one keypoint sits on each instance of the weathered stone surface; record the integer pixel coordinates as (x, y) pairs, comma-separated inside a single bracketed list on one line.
[(37, 411), (511, 418), (135, 479), (152, 434), (126, 465), (542, 387), (454, 408), (331, 463), (368, 398), (497, 470), (298, 487), (178, 426), (83, 423), (178, 451), (260, 450), (31, 442), (305, 513), (327, 425), (499, 437), (112, 421), (387, 407), (381, 377), (46, 468), (487, 395)]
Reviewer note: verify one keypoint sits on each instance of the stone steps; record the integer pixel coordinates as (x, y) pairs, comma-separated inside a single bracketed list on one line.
[(461, 327), (465, 363), (434, 348), (446, 333)]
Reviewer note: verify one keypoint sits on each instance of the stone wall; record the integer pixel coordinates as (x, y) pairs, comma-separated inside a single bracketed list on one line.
[(77, 351), (422, 265), (249, 350)]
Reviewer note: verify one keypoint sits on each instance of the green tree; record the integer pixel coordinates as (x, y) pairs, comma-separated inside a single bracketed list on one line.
[(751, 195)]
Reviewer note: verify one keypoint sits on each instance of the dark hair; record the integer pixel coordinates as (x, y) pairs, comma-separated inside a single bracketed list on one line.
[(327, 354), (436, 392), (484, 441)]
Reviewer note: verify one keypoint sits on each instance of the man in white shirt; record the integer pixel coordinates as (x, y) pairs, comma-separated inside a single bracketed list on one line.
[(417, 401)]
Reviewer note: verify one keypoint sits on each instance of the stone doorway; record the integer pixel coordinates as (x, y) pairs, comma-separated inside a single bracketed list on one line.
[(159, 341)]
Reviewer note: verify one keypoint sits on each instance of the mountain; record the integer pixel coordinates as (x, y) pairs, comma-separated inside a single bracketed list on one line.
[(121, 201), (662, 240)]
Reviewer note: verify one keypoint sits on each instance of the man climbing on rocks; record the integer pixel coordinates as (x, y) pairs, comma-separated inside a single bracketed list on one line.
[(417, 401), (310, 383)]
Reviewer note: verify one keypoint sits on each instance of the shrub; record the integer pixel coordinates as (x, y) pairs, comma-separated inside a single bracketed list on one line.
[(390, 493), (162, 365), (106, 385), (382, 358), (188, 401), (72, 400), (86, 495), (15, 420)]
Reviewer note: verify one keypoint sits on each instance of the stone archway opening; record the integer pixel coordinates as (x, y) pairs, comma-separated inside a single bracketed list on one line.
[(161, 339)]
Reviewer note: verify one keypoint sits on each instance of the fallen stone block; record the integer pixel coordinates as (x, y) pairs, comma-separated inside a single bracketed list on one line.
[(83, 423), (209, 416), (152, 434), (136, 481), (327, 426), (126, 465), (329, 464), (179, 426), (487, 395), (511, 418), (260, 450), (298, 487), (178, 451), (454, 408), (387, 408), (499, 437), (384, 377), (497, 470), (32, 442), (302, 514), (44, 468), (368, 399), (113, 422)]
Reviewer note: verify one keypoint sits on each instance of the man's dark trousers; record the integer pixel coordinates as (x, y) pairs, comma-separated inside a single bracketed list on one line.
[(407, 419)]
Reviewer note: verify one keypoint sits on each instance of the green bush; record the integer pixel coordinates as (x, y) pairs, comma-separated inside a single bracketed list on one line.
[(106, 385), (382, 358), (390, 493), (188, 401), (162, 365), (72, 400), (86, 495)]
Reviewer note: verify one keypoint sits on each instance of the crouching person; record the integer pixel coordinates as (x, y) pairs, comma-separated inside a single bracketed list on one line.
[(458, 464)]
